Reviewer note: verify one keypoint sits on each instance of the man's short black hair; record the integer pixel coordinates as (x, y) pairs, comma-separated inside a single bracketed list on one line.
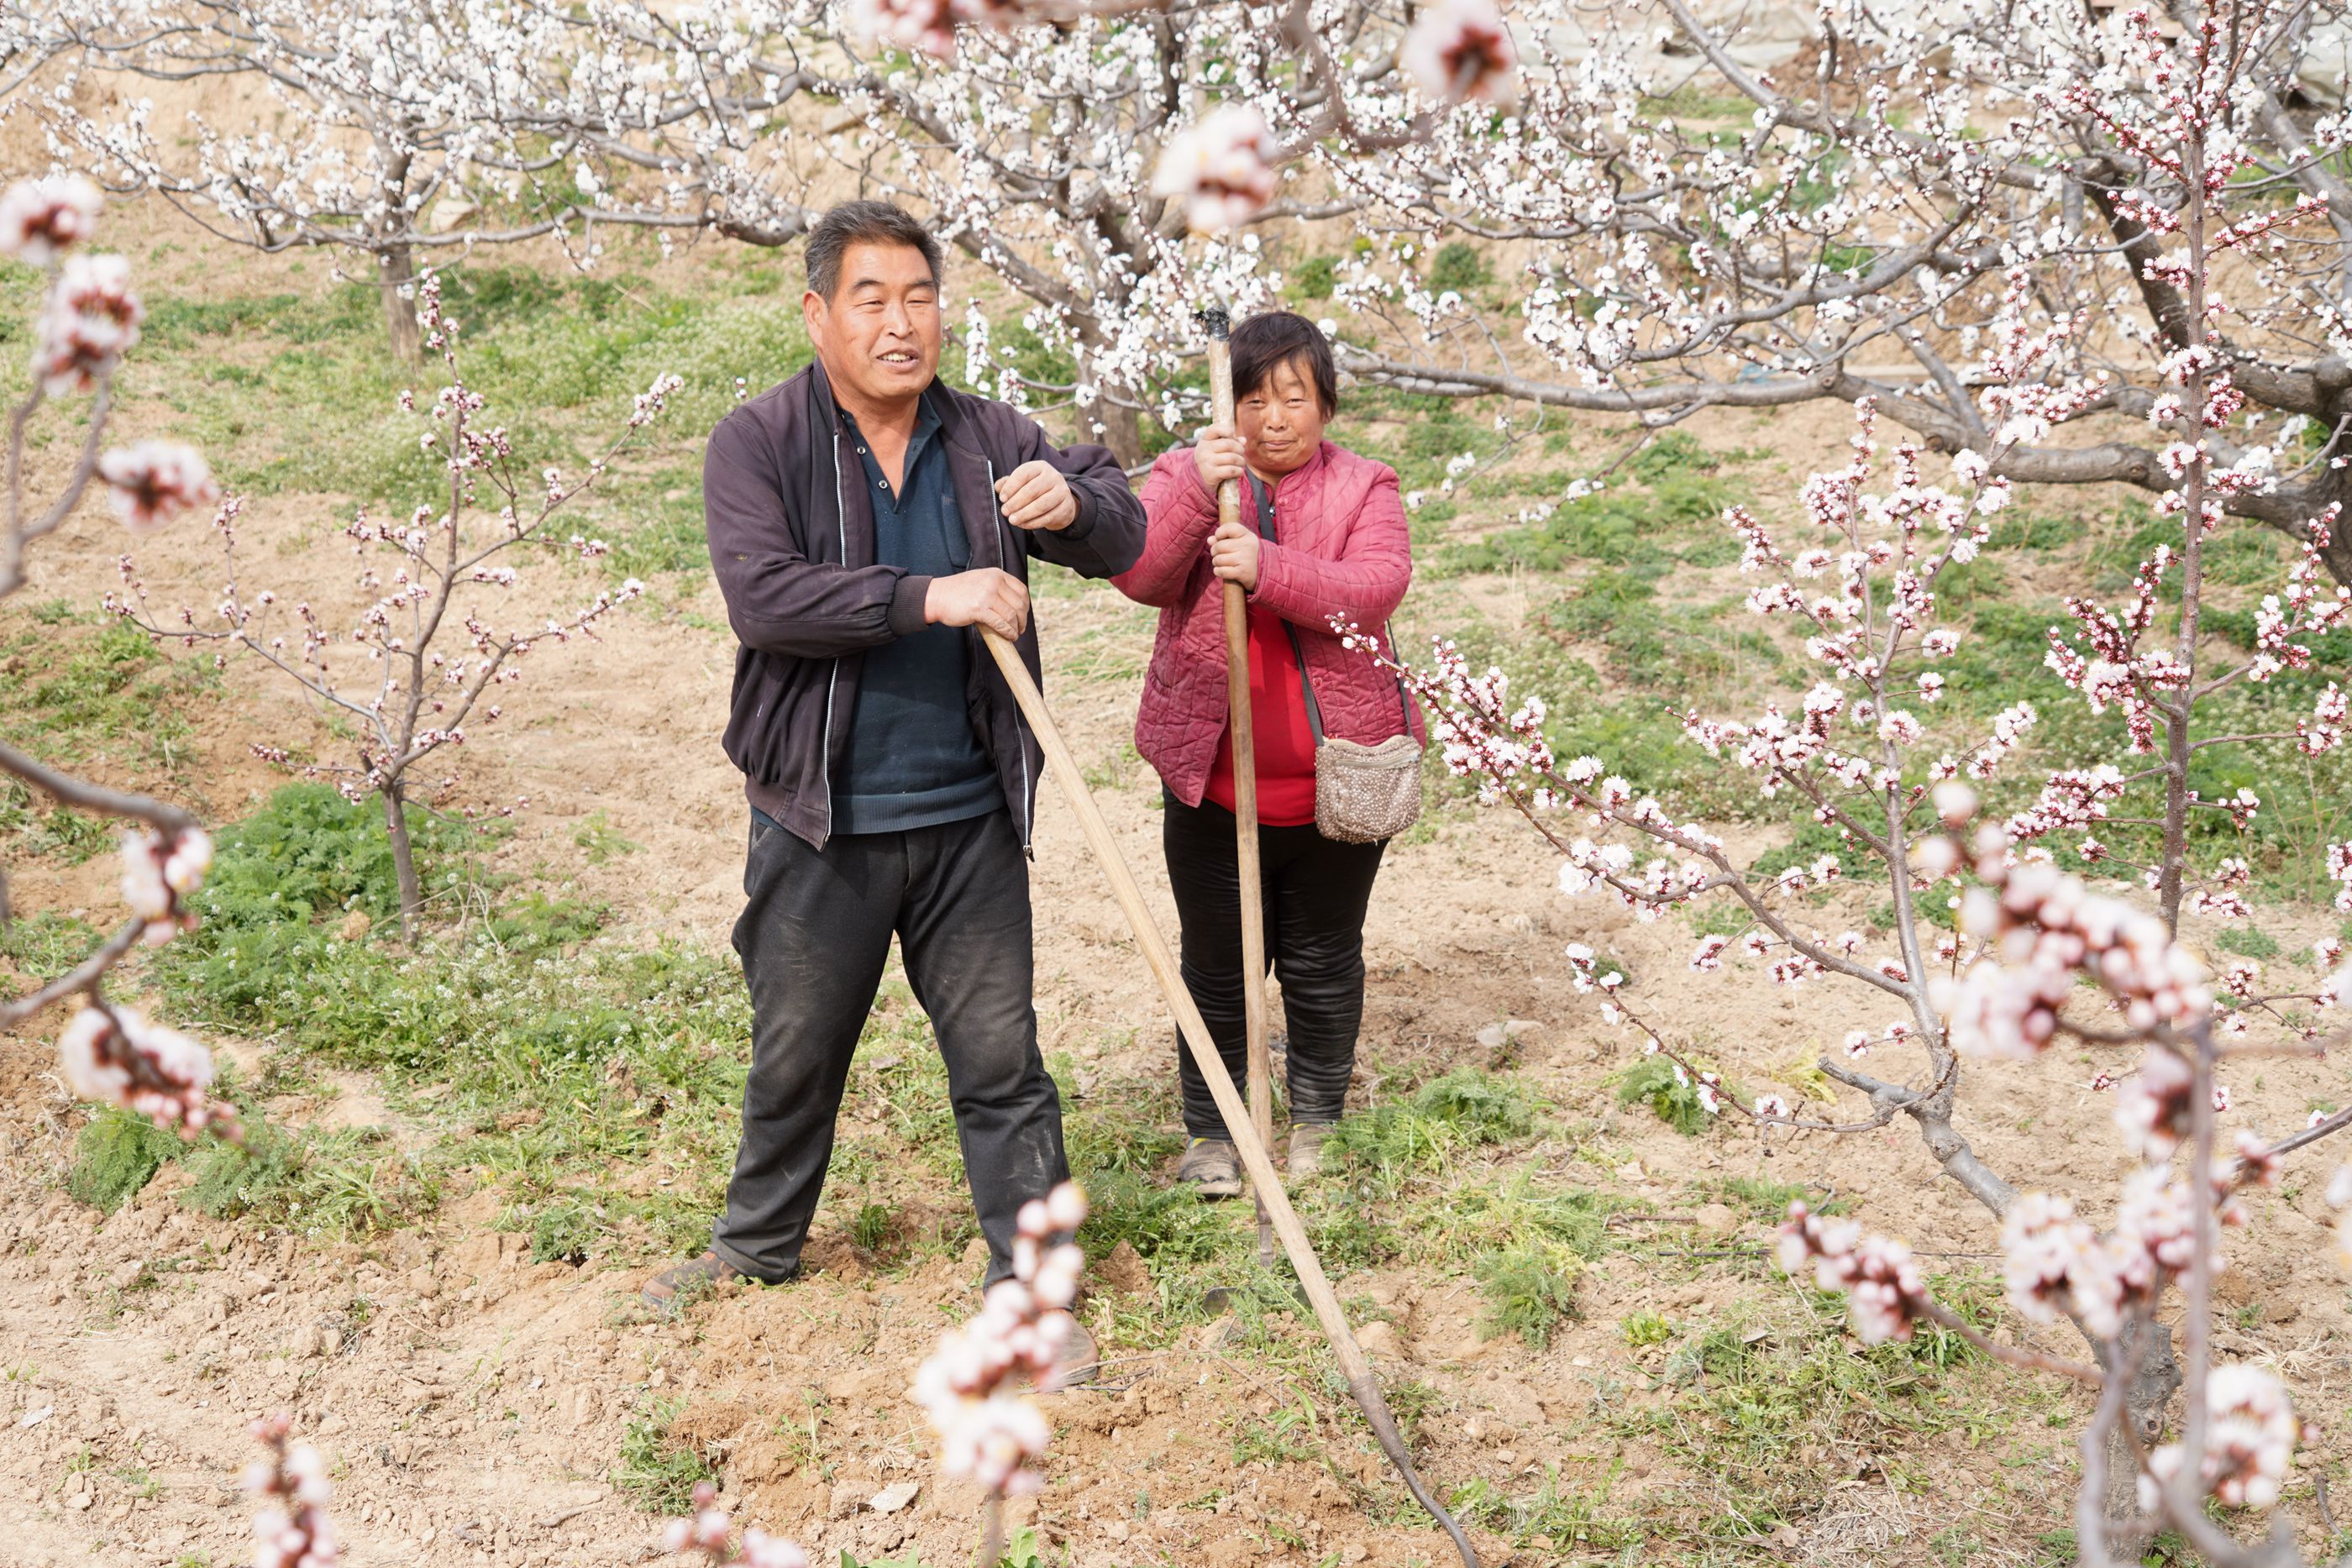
[(1275, 338), (863, 223)]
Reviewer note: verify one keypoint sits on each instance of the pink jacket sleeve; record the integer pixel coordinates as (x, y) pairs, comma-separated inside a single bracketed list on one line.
[(1364, 585), (1179, 516)]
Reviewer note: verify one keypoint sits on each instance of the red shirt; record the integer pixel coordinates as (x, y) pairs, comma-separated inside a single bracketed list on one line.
[(1281, 739)]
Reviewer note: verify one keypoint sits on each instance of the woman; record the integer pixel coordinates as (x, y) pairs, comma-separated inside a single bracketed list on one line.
[(1333, 543)]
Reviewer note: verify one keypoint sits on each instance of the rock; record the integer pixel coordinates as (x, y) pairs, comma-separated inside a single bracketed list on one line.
[(1379, 1339), (844, 1502), (126, 1275), (354, 927), (849, 1387), (1496, 1036), (1718, 1219), (893, 1497), (305, 1342), (422, 1282)]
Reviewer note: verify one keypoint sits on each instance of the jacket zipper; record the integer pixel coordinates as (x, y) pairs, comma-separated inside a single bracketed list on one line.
[(824, 746), (996, 533)]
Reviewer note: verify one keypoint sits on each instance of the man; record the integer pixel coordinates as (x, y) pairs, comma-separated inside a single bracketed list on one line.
[(864, 521)]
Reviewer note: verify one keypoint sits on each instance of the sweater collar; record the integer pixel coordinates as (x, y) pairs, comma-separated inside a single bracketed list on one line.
[(937, 408)]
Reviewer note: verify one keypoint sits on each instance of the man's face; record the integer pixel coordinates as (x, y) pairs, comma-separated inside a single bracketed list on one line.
[(878, 337)]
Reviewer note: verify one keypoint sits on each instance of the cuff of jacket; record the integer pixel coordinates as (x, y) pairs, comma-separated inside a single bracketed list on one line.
[(907, 599), (1084, 523), (1276, 593)]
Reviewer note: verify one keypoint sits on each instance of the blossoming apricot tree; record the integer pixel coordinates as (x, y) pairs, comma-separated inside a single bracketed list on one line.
[(88, 320), (1998, 950), (400, 132), (1686, 228), (990, 1432), (422, 660)]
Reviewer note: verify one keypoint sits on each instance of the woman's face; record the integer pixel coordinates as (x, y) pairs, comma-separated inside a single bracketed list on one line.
[(1281, 422)]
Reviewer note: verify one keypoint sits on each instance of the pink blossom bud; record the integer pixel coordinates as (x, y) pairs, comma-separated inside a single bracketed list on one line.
[(1222, 169), (40, 219), (90, 322), (1065, 1207), (1462, 49), (154, 481)]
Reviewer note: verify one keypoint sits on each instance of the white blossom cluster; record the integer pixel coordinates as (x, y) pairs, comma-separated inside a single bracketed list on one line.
[(706, 1533), (990, 1432), (293, 1530)]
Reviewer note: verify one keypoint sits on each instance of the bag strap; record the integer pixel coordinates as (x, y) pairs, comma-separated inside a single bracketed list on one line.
[(1314, 709)]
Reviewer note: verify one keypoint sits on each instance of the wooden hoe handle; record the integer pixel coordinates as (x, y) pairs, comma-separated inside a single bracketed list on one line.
[(1353, 1363)]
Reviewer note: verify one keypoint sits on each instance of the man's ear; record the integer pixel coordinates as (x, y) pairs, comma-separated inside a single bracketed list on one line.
[(813, 314)]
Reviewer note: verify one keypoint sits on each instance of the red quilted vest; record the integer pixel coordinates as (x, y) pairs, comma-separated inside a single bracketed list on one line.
[(1342, 551)]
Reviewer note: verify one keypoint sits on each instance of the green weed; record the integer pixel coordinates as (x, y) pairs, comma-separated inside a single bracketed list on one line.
[(1646, 1328), (46, 945), (1528, 1291), (116, 1154), (1557, 1517), (1665, 1089), (110, 692), (600, 842), (1463, 1110), (656, 1470), (2246, 942)]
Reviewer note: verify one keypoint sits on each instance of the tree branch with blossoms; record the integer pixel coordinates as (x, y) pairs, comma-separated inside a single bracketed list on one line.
[(1849, 236), (89, 318), (394, 674), (977, 1389), (1854, 754), (990, 1431), (397, 133)]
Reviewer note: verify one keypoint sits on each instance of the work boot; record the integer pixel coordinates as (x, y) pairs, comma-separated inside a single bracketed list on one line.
[(1212, 1167), (1079, 1358), (691, 1277), (1307, 1149)]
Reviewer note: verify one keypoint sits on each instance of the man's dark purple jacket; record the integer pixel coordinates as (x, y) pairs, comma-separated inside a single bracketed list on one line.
[(791, 539)]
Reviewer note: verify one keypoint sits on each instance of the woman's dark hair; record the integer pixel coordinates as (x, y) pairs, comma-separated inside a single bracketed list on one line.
[(863, 223), (1276, 337)]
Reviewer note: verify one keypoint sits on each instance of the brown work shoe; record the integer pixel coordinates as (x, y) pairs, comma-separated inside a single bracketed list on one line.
[(1212, 1167), (1307, 1149), (693, 1277), (1078, 1360)]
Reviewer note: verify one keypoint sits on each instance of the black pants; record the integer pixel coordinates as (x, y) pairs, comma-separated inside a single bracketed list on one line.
[(1315, 894), (814, 935)]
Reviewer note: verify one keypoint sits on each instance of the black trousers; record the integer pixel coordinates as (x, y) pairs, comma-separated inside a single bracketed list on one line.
[(813, 936), (1315, 891)]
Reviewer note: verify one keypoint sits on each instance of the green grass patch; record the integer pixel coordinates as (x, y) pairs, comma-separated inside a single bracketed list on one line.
[(1670, 1092), (657, 1471), (115, 1154)]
